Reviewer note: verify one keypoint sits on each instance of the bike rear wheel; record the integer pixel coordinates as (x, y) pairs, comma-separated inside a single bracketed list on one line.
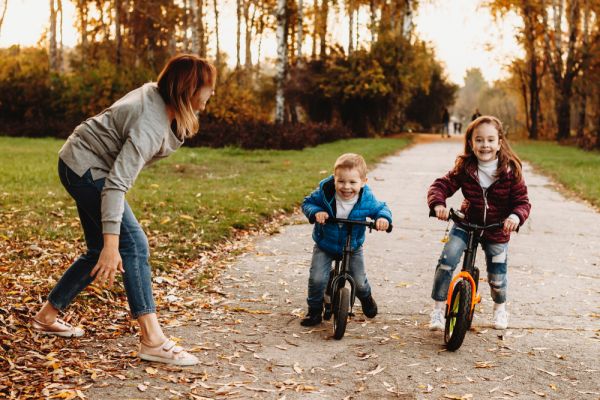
[(341, 309), (458, 316)]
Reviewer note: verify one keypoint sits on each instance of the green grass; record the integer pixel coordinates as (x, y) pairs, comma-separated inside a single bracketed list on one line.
[(576, 169), (187, 202)]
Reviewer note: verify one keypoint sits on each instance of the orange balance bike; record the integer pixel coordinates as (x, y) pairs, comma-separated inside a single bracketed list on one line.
[(462, 292)]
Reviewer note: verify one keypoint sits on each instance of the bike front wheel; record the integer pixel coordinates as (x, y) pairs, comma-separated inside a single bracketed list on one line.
[(458, 316), (341, 309)]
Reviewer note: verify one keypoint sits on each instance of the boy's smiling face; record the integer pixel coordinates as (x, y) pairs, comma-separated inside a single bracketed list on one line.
[(348, 182)]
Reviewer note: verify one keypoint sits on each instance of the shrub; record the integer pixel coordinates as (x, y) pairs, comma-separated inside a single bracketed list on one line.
[(264, 135)]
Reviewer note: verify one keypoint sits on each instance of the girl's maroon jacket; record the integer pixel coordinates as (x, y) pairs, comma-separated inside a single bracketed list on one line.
[(505, 196)]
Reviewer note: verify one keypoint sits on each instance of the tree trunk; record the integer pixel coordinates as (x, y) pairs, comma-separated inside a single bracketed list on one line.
[(315, 32), (357, 28), (563, 111), (534, 91), (323, 28), (598, 131), (60, 52), (218, 56), (373, 26), (586, 55), (118, 38), (194, 25), (201, 30), (281, 61), (52, 53), (534, 97), (248, 36), (238, 33), (186, 26), (3, 14), (83, 30), (563, 73), (407, 20), (299, 33), (350, 27)]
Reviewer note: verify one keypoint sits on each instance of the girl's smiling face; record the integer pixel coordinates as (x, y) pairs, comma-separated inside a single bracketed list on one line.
[(348, 182), (485, 142)]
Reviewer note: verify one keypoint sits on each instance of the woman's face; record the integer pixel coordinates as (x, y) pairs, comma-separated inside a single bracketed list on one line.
[(201, 98)]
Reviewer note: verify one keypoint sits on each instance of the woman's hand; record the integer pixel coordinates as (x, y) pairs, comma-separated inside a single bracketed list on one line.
[(441, 212), (321, 217), (382, 224), (109, 261)]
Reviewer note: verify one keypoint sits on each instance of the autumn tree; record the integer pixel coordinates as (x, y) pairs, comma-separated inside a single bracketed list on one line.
[(281, 67), (563, 54), (530, 72)]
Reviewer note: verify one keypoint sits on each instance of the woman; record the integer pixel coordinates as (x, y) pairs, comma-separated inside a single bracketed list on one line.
[(97, 165)]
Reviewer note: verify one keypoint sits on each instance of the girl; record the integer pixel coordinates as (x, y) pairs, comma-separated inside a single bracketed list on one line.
[(489, 174), (97, 165)]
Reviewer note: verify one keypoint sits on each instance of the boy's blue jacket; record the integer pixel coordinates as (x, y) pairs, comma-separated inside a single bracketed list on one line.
[(330, 237)]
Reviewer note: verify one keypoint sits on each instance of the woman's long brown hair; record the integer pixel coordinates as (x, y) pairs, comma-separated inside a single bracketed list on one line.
[(507, 158), (178, 82)]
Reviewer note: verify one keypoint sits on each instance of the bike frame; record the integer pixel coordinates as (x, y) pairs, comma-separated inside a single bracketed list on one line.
[(466, 272), (342, 268), (469, 258)]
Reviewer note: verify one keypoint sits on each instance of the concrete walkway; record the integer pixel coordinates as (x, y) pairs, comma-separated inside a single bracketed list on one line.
[(251, 343)]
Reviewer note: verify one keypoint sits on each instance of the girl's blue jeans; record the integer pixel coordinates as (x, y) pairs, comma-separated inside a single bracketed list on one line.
[(320, 269), (133, 247), (496, 258)]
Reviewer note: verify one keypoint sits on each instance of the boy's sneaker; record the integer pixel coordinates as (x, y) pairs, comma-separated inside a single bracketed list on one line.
[(437, 321), (312, 318), (500, 319), (369, 306)]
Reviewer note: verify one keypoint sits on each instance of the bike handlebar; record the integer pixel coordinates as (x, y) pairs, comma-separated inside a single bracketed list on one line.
[(368, 224), (459, 218)]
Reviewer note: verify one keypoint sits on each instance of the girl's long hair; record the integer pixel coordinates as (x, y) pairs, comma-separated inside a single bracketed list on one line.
[(178, 82), (507, 158)]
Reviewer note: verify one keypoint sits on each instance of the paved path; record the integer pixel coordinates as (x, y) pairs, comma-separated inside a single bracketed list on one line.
[(251, 343)]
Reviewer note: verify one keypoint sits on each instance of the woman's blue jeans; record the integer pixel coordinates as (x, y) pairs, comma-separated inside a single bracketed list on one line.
[(496, 258), (320, 269), (133, 247)]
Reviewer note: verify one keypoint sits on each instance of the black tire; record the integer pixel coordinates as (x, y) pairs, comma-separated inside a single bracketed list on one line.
[(340, 314), (458, 316)]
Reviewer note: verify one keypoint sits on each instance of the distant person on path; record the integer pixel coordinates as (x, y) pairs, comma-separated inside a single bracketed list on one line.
[(344, 194), (475, 115), (445, 123), (489, 175), (457, 128), (97, 165)]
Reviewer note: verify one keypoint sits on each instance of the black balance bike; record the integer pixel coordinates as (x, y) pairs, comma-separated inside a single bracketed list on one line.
[(339, 299), (462, 292)]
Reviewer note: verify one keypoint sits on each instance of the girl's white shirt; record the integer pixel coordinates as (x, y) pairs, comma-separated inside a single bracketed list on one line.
[(486, 171), (344, 207)]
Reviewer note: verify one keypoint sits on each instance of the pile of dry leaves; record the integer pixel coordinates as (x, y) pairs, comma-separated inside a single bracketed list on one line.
[(34, 366)]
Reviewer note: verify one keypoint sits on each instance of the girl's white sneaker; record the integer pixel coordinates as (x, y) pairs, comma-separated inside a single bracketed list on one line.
[(437, 321), (500, 319)]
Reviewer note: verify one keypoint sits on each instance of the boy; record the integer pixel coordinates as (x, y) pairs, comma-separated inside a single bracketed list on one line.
[(342, 195)]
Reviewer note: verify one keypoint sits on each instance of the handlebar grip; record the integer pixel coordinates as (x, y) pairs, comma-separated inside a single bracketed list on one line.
[(389, 229)]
